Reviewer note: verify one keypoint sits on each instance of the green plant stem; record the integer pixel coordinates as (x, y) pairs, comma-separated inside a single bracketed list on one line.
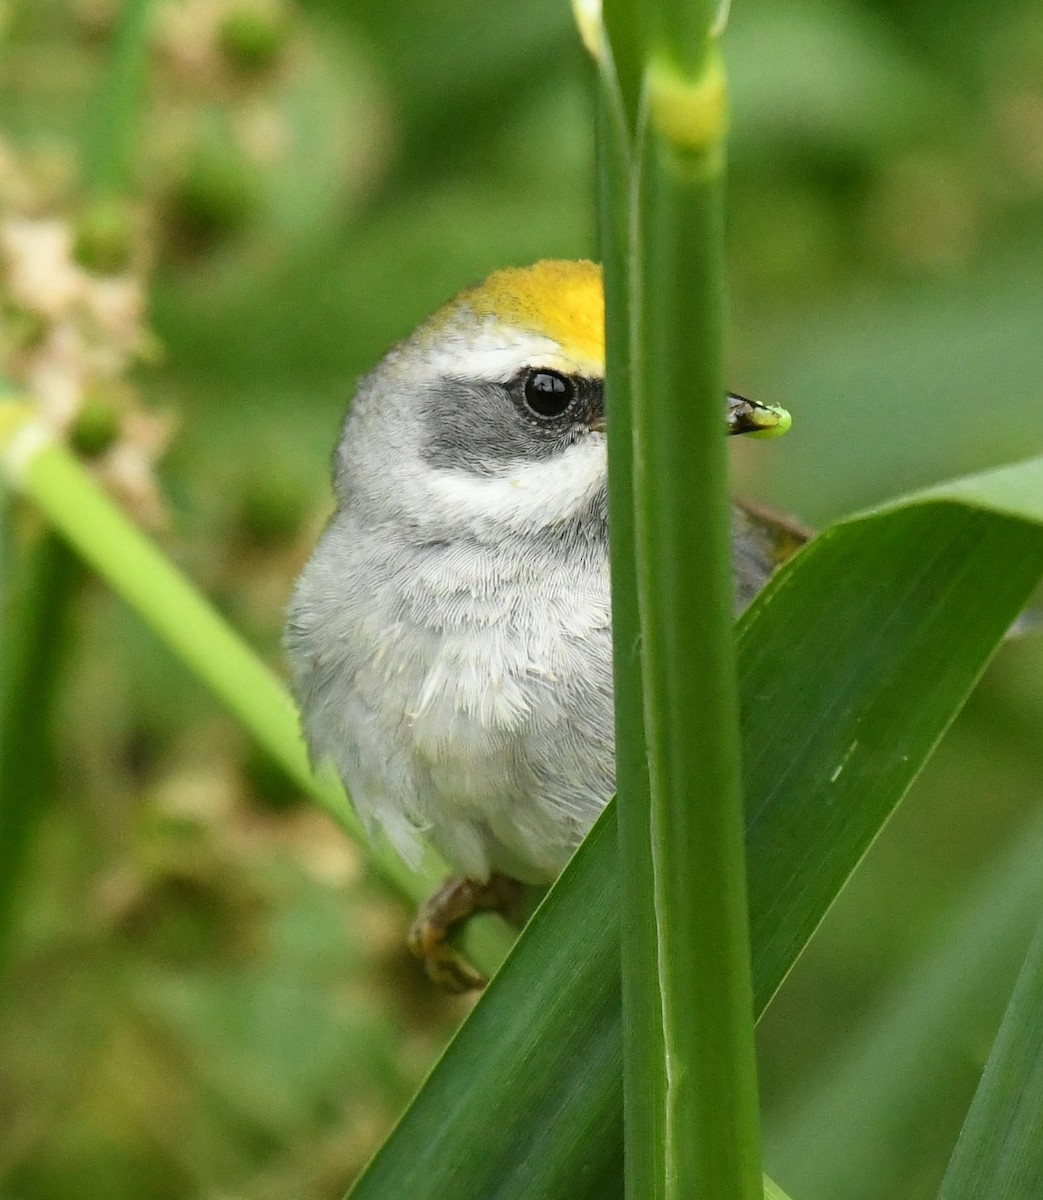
[(626, 34), (34, 640), (38, 583), (683, 31), (553, 1013), (913, 603), (1000, 1149), (912, 600), (643, 1122), (50, 574), (114, 117), (862, 1108), (100, 533), (65, 492), (695, 1062)]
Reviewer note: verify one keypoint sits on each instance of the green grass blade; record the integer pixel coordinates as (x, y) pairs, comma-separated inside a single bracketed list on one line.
[(1000, 1150), (522, 1134), (861, 1108), (138, 571), (495, 1118), (944, 577), (683, 32), (908, 602), (35, 624), (644, 1121), (114, 117), (934, 555), (625, 30), (67, 494), (688, 1024), (34, 640)]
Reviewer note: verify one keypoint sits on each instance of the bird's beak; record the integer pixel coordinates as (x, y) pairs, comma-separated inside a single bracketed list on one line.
[(758, 420), (744, 416)]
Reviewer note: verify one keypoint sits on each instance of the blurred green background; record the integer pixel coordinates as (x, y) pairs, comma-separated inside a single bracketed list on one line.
[(206, 996)]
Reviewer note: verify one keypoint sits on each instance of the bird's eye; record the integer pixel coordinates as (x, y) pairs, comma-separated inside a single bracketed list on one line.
[(548, 394)]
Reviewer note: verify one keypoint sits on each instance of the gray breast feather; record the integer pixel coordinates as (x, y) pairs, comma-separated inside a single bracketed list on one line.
[(464, 691), (461, 694)]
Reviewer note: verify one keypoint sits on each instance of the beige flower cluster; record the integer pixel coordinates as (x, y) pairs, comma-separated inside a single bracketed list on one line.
[(220, 41), (70, 334)]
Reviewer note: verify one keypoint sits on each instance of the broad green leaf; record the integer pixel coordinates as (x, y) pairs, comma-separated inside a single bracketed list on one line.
[(1000, 1150), (853, 662), (861, 1107)]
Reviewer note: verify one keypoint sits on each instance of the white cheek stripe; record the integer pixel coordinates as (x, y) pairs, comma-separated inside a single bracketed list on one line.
[(529, 495)]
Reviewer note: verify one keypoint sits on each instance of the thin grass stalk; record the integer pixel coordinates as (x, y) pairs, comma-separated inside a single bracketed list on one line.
[(115, 114), (682, 33), (50, 575), (999, 1153), (643, 1120), (67, 494), (685, 855), (801, 860), (7, 574), (625, 37), (914, 600), (35, 635), (40, 581), (139, 572)]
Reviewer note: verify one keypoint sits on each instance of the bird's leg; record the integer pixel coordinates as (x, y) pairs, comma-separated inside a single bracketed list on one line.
[(440, 914)]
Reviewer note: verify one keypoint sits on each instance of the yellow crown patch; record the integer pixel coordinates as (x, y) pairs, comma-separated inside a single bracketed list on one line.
[(560, 299)]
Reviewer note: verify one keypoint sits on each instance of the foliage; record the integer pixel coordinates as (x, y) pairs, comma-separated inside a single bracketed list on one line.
[(207, 995)]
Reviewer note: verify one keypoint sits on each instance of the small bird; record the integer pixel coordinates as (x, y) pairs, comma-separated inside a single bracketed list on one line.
[(450, 637)]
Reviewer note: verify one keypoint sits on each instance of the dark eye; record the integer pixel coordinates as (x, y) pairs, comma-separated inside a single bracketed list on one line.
[(548, 394)]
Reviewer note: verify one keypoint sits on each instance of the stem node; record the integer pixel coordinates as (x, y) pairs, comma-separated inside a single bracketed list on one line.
[(690, 113)]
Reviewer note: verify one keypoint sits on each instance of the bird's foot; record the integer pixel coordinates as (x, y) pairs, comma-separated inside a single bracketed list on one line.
[(439, 916)]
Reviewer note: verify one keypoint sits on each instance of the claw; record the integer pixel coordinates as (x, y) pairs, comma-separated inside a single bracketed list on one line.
[(438, 917)]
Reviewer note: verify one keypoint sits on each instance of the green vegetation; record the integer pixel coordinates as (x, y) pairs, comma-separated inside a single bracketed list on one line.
[(204, 987)]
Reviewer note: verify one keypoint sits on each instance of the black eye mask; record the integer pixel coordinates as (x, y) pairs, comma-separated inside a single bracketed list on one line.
[(486, 427)]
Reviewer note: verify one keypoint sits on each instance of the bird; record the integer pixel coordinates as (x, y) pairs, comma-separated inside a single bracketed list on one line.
[(450, 637)]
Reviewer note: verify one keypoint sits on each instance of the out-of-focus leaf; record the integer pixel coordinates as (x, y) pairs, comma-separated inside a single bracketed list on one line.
[(894, 1094), (454, 61), (1000, 1151), (950, 381), (824, 79), (852, 664)]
